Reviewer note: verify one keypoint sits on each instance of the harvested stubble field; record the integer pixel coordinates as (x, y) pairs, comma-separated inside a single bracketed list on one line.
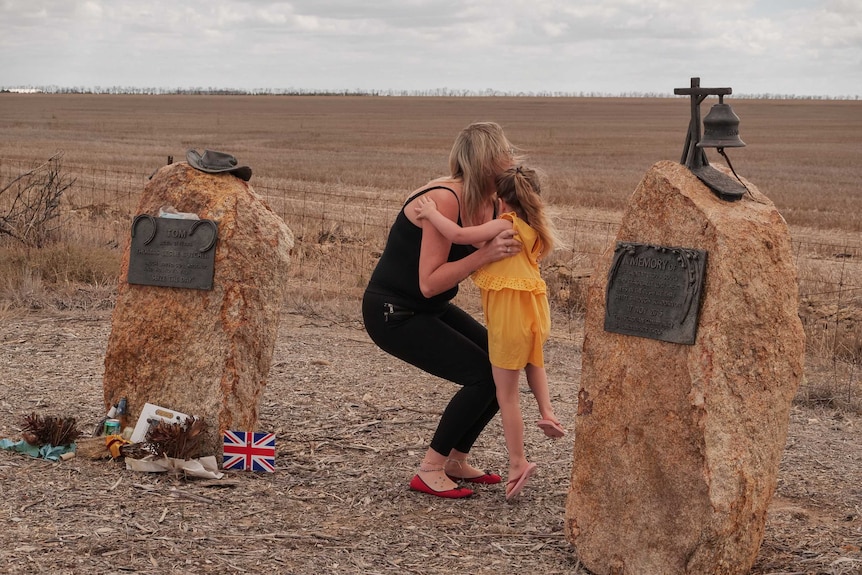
[(351, 421)]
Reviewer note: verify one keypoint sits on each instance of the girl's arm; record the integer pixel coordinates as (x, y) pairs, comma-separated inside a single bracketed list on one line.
[(426, 209)]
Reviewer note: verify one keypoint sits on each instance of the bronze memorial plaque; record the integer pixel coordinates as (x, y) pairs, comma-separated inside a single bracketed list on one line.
[(172, 252), (655, 291)]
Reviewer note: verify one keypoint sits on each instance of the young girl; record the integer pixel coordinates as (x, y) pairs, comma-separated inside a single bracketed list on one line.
[(515, 304)]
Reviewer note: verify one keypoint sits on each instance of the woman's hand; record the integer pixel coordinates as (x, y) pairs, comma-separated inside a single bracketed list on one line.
[(436, 273), (504, 245)]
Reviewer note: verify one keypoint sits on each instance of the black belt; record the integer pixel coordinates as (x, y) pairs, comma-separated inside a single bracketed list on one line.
[(394, 312)]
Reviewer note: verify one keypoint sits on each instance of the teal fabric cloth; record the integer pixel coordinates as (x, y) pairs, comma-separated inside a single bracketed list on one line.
[(49, 452)]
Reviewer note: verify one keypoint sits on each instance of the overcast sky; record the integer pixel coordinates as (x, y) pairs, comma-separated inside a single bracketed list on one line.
[(786, 47)]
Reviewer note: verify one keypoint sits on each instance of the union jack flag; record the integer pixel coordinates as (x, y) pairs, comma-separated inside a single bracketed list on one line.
[(251, 451)]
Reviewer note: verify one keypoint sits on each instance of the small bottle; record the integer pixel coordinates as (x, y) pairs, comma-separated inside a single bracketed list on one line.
[(123, 413)]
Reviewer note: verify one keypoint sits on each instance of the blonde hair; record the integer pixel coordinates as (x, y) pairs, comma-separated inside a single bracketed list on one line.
[(520, 187), (480, 152)]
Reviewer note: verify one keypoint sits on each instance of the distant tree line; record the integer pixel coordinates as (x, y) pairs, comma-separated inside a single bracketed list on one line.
[(433, 92)]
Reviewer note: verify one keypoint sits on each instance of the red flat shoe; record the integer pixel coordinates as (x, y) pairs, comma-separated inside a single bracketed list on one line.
[(484, 479), (417, 484)]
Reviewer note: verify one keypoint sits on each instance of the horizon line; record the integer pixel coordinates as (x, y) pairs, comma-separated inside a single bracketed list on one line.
[(389, 92)]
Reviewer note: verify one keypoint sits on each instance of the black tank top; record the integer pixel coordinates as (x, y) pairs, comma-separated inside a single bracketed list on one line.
[(397, 273)]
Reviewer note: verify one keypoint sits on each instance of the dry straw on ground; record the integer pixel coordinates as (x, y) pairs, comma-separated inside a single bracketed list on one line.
[(350, 424)]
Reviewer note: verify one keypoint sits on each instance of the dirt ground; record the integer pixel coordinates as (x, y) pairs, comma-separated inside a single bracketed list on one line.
[(351, 424)]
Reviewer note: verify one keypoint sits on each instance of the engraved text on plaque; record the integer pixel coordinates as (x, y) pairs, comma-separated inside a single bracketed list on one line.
[(172, 252), (655, 292)]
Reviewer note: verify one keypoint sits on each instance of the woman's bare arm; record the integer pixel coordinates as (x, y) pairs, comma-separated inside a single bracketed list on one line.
[(436, 274)]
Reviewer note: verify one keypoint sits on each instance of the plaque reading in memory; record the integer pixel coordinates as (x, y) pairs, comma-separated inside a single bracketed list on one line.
[(172, 252), (655, 292)]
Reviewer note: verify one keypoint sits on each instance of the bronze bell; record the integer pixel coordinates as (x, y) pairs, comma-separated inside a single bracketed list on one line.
[(721, 128)]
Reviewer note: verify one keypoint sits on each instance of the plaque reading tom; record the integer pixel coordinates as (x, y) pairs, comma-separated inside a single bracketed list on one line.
[(655, 291), (172, 252)]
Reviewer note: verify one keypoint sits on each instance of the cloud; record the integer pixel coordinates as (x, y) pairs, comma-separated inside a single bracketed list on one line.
[(613, 46)]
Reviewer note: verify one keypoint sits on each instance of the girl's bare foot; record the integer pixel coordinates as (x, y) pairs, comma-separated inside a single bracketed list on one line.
[(518, 479), (551, 426)]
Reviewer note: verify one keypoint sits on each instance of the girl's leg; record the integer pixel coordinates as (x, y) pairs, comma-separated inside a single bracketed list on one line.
[(506, 381), (537, 379)]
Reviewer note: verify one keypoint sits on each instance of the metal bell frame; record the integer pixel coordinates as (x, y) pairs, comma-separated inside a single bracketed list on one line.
[(693, 153)]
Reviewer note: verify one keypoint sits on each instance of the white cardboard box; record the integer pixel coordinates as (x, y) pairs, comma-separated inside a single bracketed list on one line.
[(150, 412)]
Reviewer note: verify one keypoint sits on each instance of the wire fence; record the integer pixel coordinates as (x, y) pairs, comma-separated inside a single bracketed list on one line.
[(340, 232)]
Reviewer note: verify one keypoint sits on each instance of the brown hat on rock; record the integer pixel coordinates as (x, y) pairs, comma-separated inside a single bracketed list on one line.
[(217, 162)]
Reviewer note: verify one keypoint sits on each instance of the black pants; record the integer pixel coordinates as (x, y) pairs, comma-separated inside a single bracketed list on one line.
[(449, 344)]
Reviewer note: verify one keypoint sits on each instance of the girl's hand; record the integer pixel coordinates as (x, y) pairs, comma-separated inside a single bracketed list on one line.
[(424, 206)]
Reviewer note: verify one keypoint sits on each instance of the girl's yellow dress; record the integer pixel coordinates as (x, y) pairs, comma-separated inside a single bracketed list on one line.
[(515, 302)]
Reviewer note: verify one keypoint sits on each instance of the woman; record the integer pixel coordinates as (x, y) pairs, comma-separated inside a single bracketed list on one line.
[(515, 302), (408, 312)]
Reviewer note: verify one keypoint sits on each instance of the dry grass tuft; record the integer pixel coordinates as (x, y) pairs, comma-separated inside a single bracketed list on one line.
[(60, 276)]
